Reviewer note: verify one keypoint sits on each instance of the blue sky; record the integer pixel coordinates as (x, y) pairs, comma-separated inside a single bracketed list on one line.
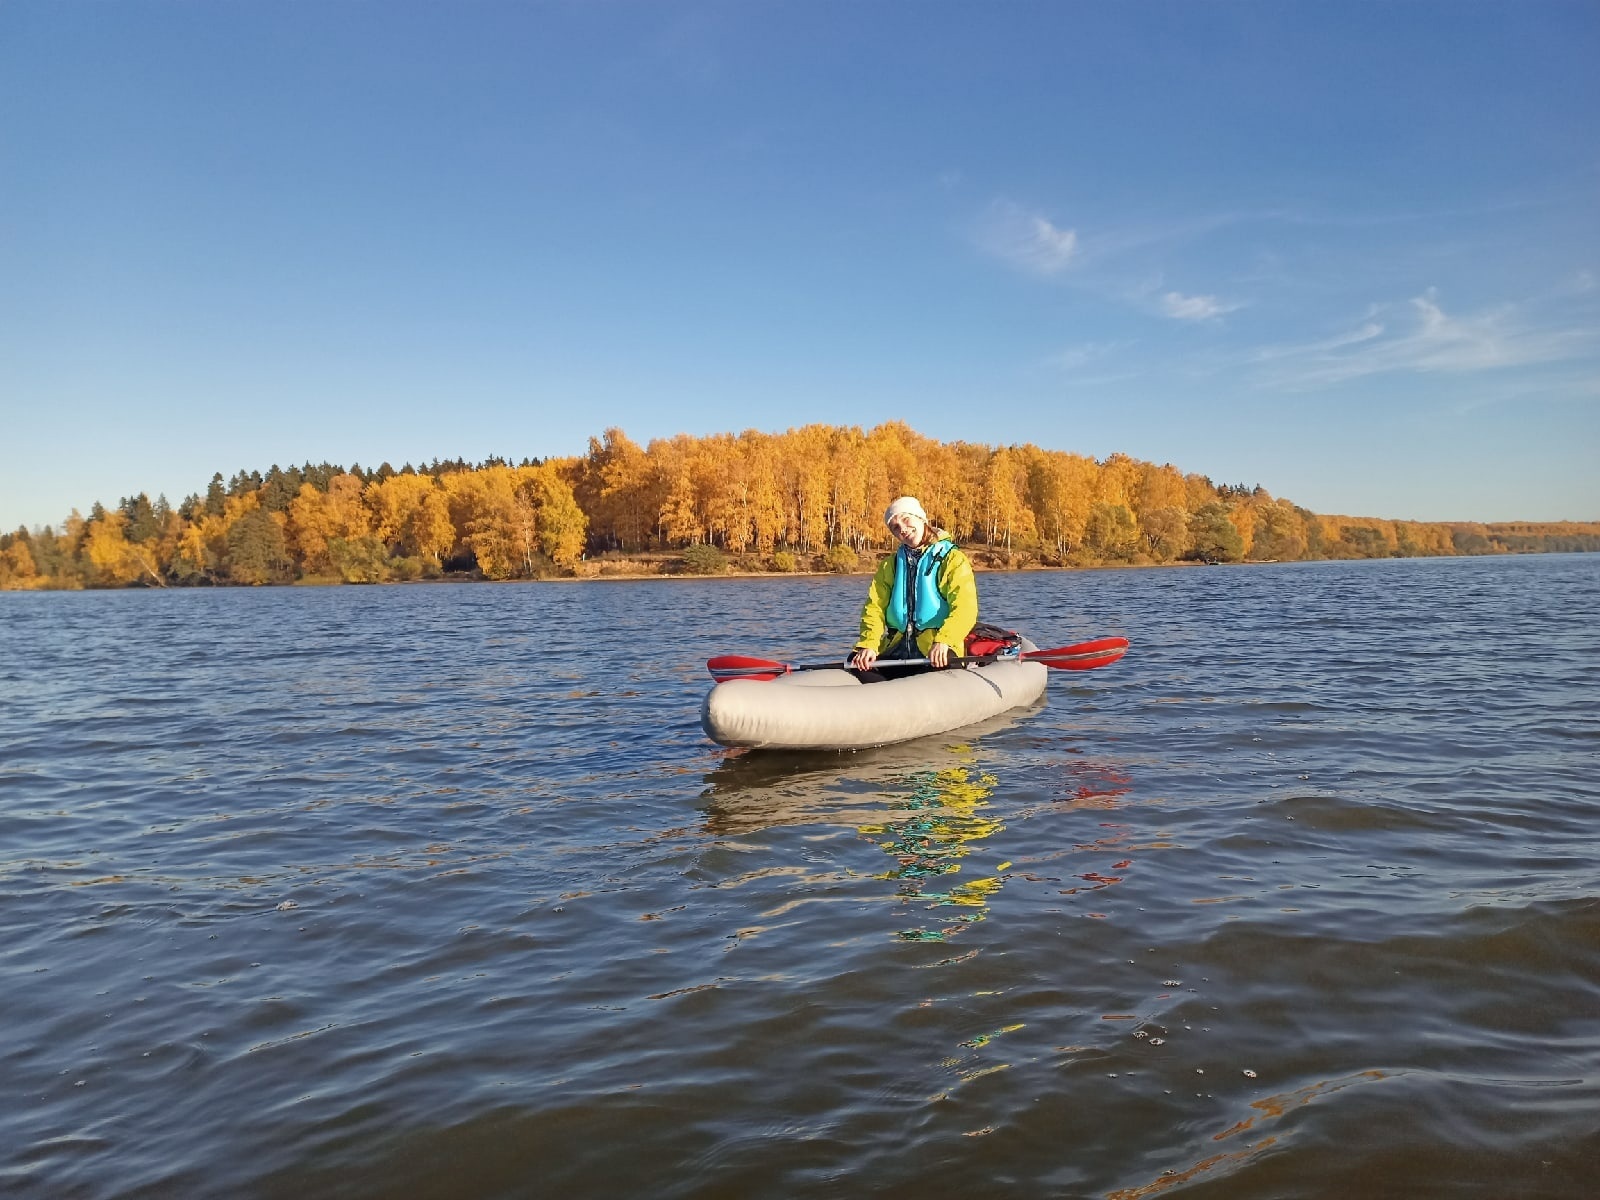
[(1349, 252)]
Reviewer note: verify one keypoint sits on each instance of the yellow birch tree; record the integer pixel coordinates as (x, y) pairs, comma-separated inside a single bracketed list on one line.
[(412, 515)]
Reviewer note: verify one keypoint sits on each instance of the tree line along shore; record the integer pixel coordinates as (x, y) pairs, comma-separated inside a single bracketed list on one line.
[(809, 499)]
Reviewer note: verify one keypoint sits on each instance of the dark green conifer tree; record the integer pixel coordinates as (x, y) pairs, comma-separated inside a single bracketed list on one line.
[(256, 550), (216, 494)]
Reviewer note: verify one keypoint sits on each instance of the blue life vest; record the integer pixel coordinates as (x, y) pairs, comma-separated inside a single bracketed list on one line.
[(931, 607)]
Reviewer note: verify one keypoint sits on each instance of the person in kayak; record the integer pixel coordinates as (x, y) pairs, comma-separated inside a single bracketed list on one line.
[(923, 600)]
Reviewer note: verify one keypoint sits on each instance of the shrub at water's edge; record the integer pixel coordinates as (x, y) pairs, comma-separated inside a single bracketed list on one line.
[(701, 559), (809, 499)]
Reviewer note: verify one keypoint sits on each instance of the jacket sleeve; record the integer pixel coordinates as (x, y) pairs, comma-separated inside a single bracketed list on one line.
[(960, 589), (874, 622)]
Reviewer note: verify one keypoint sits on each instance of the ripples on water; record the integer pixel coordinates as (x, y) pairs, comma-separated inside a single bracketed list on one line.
[(440, 891)]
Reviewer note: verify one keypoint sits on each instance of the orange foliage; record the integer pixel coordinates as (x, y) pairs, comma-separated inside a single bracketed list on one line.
[(791, 498)]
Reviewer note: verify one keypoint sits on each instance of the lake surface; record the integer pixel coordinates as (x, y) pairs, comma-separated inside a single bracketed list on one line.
[(439, 891)]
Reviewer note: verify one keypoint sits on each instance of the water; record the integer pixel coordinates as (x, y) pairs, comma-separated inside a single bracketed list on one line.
[(439, 891)]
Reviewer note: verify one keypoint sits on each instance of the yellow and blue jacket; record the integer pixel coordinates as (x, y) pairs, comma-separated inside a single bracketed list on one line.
[(935, 589)]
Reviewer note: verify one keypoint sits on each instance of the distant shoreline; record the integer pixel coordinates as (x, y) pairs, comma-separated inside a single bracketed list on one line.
[(1034, 569), (633, 577), (691, 577)]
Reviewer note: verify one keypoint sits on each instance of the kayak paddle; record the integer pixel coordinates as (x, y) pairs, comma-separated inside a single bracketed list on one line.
[(1085, 656)]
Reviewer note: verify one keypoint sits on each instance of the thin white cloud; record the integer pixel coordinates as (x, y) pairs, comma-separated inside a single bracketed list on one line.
[(1075, 358), (1432, 342), (1026, 239), (1194, 308), (1356, 336)]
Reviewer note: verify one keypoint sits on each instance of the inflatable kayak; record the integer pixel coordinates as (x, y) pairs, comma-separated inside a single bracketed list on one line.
[(831, 709)]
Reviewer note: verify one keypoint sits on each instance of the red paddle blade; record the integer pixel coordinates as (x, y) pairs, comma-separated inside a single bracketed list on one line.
[(1085, 656), (1087, 662), (738, 666)]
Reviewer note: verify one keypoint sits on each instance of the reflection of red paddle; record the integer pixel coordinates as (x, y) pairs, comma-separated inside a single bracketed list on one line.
[(1085, 656)]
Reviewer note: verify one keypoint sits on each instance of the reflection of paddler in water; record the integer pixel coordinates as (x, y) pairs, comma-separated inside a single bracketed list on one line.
[(923, 600), (746, 792), (947, 821), (936, 796)]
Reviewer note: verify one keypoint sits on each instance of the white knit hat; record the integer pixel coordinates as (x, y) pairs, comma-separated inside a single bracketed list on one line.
[(905, 505)]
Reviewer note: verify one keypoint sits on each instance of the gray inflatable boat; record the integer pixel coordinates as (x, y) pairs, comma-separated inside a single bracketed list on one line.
[(830, 709)]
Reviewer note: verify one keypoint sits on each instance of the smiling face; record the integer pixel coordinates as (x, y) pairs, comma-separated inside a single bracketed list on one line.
[(909, 529)]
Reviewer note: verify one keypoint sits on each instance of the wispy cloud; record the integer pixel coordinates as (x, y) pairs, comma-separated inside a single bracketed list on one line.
[(1354, 337), (1026, 239), (1430, 341), (1194, 308), (1075, 358)]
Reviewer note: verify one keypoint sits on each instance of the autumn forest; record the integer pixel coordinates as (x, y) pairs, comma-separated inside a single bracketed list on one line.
[(809, 499)]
